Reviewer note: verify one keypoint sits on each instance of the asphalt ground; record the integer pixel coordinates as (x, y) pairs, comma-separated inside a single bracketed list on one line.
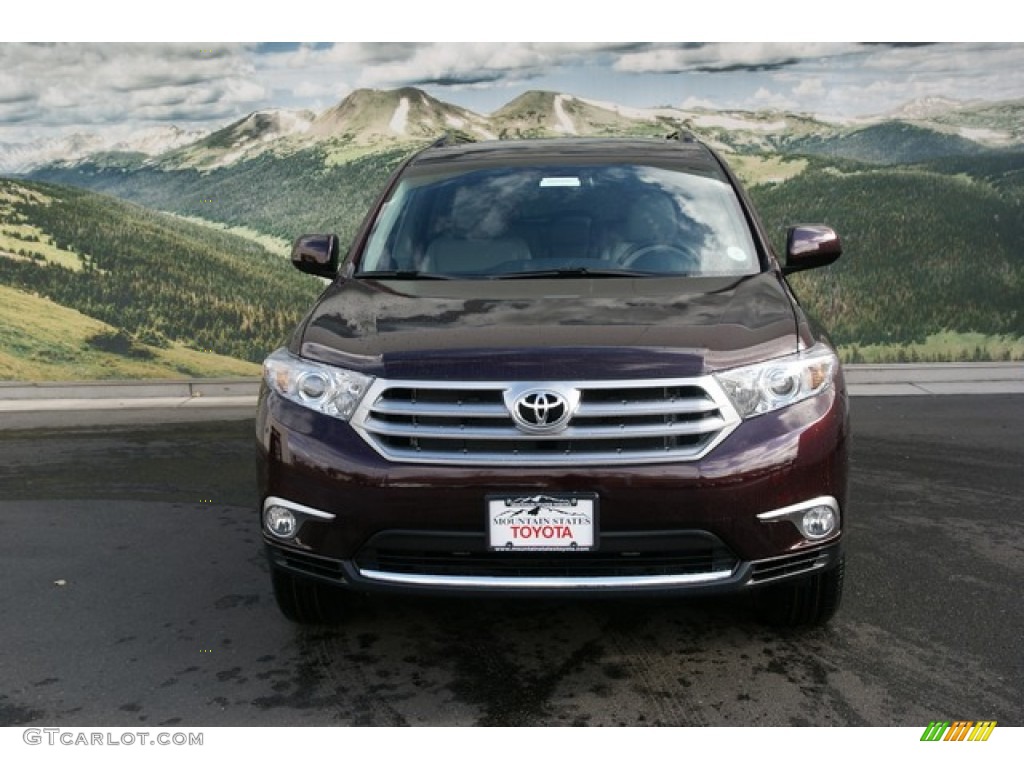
[(136, 593)]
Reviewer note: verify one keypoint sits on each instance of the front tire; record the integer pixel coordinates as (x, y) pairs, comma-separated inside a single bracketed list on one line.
[(305, 601), (810, 601)]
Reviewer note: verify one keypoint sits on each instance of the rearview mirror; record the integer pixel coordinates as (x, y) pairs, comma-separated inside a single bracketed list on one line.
[(316, 255), (809, 246)]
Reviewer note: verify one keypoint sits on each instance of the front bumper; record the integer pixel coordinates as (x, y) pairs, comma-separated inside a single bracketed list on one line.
[(722, 579), (664, 528)]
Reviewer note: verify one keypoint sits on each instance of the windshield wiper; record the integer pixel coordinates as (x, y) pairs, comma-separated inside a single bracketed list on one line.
[(570, 272), (402, 274)]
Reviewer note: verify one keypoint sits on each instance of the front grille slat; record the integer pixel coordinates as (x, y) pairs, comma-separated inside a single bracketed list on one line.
[(788, 565), (616, 422), (441, 410), (461, 432), (661, 408)]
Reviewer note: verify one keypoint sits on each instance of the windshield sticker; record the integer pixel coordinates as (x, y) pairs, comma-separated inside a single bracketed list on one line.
[(560, 181), (736, 254)]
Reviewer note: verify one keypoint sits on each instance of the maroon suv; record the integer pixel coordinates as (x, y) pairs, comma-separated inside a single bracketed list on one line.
[(557, 367)]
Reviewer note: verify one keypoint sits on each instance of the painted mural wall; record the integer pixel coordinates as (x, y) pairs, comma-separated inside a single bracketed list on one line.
[(149, 194)]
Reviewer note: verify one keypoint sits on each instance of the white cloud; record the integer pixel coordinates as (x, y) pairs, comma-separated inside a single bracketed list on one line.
[(692, 102), (307, 89), (812, 87), (766, 98), (383, 65), (81, 84), (13, 90), (75, 86), (723, 57)]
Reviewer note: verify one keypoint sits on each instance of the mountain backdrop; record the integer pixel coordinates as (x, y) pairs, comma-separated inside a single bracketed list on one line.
[(173, 242)]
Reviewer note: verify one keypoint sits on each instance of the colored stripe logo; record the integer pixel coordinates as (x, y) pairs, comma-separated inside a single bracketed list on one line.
[(960, 730)]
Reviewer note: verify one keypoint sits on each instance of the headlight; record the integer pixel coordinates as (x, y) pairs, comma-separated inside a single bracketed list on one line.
[(769, 386), (324, 388)]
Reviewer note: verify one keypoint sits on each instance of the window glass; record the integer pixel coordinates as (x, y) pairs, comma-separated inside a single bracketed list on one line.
[(492, 222)]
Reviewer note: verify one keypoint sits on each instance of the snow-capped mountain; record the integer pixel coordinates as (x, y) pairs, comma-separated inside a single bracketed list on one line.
[(368, 116), (367, 120), (18, 158), (151, 140), (925, 108), (244, 138), (157, 139), (546, 113)]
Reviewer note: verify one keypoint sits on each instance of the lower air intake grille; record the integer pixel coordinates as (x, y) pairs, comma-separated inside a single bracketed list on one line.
[(619, 556), (789, 565)]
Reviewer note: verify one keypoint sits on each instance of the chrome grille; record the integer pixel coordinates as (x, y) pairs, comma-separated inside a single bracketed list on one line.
[(789, 565), (615, 422)]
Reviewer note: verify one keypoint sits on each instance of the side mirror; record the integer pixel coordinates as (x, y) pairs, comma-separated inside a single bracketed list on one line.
[(316, 255), (809, 246)]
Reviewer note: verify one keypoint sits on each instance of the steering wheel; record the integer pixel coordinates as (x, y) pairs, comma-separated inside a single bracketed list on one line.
[(660, 257)]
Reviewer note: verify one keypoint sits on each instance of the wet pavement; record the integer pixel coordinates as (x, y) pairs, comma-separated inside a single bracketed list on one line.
[(135, 592)]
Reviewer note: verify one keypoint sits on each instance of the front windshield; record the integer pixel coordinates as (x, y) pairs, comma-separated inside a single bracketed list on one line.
[(516, 222)]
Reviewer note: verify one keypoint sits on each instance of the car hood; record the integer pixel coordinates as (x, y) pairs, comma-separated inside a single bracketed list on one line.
[(549, 329)]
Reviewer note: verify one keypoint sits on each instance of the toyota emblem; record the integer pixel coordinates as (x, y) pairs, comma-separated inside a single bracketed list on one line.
[(543, 410)]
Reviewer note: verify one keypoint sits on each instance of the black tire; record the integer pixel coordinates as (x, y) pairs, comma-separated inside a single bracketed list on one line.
[(305, 601), (807, 602)]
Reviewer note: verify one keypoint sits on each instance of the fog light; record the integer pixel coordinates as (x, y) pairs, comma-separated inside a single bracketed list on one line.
[(818, 522), (815, 519), (280, 522)]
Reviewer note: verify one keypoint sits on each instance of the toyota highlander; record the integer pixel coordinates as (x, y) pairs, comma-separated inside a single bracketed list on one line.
[(557, 367)]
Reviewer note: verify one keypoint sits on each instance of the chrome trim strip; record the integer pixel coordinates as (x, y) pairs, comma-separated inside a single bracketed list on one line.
[(503, 384), (576, 458), (765, 571), (296, 507), (442, 410), (525, 582), (821, 501), (667, 407), (702, 427), (593, 410)]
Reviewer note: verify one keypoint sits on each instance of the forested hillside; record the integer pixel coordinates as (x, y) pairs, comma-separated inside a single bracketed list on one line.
[(283, 196), (41, 340), (930, 248), (154, 278), (925, 252), (890, 143), (1003, 171)]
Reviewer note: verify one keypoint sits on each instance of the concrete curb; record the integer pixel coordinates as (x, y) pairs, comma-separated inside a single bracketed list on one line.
[(135, 390), (935, 379)]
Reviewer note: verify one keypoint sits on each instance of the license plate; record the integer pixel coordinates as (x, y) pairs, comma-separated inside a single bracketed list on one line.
[(542, 522)]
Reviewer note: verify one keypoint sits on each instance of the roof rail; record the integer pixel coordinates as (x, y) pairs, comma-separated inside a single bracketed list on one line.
[(683, 135), (452, 139)]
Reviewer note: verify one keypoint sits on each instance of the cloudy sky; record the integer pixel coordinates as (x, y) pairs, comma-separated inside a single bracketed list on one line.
[(48, 89)]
